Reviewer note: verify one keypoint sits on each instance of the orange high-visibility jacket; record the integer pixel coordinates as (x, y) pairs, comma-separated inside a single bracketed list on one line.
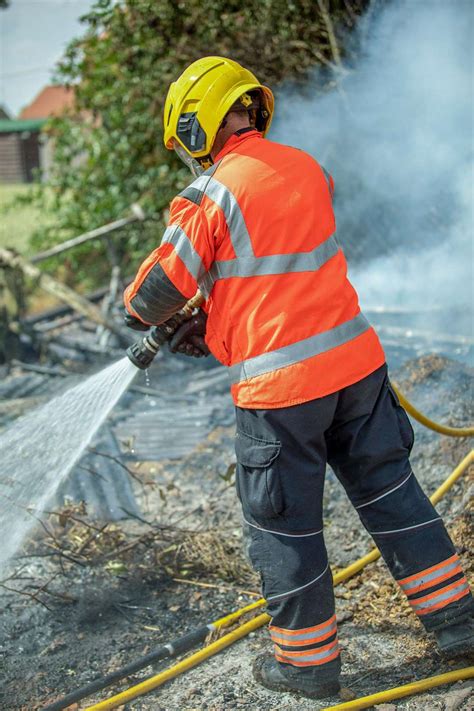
[(256, 234)]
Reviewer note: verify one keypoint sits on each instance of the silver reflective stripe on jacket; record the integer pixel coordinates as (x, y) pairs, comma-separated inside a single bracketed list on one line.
[(301, 350), (226, 200), (175, 235), (246, 264), (272, 264)]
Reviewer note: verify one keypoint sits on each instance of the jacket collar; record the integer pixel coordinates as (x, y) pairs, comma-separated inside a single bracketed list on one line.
[(235, 141)]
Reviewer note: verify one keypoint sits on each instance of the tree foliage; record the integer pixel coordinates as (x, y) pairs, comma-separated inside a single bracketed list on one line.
[(109, 152)]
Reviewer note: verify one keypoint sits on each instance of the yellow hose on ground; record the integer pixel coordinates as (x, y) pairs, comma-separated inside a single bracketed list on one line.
[(228, 620), (155, 681), (452, 478), (398, 692), (196, 658), (431, 424)]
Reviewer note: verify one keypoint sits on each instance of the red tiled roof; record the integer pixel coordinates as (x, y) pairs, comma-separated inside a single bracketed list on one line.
[(51, 101)]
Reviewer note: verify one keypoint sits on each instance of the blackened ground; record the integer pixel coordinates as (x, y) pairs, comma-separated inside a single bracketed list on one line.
[(124, 597)]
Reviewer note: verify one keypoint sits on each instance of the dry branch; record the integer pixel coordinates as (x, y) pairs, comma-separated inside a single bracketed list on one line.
[(52, 286), (24, 593), (137, 216), (330, 30), (119, 463)]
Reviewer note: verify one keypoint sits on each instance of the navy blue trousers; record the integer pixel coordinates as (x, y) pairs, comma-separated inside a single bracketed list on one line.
[(365, 435)]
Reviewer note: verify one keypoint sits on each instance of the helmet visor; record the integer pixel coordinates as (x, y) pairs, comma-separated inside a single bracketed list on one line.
[(193, 165)]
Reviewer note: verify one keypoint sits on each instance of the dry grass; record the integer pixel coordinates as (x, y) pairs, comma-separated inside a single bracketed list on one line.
[(210, 555), (425, 367)]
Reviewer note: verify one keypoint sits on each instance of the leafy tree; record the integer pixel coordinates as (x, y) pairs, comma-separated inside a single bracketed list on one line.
[(109, 152)]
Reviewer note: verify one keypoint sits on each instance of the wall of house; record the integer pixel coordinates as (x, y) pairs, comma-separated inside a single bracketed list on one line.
[(11, 164), (19, 157)]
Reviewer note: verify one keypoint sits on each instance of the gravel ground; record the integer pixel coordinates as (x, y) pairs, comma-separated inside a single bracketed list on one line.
[(122, 602)]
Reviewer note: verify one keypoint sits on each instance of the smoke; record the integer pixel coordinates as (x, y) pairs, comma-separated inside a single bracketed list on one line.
[(395, 131)]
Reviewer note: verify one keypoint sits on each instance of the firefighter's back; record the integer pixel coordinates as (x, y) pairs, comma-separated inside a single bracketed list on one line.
[(281, 279), (283, 193)]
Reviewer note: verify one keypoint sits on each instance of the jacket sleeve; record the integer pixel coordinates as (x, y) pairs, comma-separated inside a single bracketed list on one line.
[(169, 276)]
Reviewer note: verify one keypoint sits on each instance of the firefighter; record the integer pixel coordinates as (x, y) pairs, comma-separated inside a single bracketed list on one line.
[(255, 232)]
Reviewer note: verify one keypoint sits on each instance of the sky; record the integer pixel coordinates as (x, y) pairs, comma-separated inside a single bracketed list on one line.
[(33, 36)]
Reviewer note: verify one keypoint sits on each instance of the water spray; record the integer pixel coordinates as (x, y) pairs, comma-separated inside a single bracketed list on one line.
[(143, 351)]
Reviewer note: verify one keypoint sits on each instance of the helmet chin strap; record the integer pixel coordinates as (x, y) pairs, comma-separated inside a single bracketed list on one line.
[(195, 165)]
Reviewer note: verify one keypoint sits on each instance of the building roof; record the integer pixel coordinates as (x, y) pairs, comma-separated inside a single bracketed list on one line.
[(51, 101), (17, 126)]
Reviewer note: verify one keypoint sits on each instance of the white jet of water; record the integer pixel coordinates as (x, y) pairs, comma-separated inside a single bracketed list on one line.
[(38, 450)]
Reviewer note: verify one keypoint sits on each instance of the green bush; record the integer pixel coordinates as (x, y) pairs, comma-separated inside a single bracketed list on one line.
[(109, 153)]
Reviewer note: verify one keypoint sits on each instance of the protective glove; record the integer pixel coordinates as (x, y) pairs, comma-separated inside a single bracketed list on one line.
[(189, 337), (166, 329), (134, 322)]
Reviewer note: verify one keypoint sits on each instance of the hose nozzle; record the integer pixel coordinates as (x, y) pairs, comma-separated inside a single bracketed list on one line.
[(142, 352)]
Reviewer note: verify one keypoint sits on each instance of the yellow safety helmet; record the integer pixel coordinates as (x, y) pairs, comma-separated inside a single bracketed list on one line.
[(200, 98)]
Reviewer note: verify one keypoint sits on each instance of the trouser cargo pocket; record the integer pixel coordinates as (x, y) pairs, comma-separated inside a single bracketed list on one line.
[(257, 477)]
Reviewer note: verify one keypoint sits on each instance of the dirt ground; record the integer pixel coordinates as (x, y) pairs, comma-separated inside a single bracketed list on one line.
[(115, 594)]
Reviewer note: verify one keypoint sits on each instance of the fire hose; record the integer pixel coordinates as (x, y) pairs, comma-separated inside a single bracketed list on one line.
[(363, 702), (415, 687), (185, 643), (171, 649), (431, 424)]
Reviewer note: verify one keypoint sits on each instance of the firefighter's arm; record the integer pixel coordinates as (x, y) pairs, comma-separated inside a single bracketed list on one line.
[(156, 300), (169, 276)]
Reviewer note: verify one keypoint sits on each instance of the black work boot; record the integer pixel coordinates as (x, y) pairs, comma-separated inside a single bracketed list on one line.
[(456, 639), (282, 677)]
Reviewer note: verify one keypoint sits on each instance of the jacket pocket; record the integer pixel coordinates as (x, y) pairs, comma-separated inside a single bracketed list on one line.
[(257, 478), (406, 430), (215, 342)]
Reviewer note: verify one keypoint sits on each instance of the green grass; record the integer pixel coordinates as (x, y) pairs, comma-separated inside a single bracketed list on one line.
[(18, 224)]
